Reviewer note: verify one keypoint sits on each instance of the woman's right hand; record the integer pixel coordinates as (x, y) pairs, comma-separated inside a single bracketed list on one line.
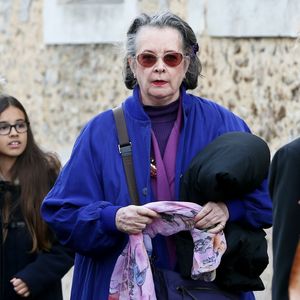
[(133, 219)]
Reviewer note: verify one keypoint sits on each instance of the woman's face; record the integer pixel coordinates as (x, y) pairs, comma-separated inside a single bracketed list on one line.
[(13, 144), (159, 84)]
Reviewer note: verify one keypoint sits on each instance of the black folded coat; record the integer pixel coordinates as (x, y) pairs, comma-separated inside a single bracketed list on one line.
[(233, 165)]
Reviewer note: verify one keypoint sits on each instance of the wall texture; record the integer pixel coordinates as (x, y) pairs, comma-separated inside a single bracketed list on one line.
[(63, 86)]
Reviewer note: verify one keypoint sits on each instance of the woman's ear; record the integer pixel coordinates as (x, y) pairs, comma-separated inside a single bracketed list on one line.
[(132, 65), (187, 61)]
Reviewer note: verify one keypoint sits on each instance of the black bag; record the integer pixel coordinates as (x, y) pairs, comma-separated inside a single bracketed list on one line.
[(171, 285)]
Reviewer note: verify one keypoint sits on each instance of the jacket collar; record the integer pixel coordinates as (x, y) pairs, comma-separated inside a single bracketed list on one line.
[(133, 104)]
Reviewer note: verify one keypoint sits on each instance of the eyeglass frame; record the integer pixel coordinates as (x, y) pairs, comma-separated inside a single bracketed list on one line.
[(15, 127), (162, 57)]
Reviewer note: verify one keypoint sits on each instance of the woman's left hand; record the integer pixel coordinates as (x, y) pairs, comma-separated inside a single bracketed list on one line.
[(213, 217), (20, 287)]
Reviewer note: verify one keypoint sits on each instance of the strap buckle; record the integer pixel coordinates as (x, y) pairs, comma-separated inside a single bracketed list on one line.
[(125, 149)]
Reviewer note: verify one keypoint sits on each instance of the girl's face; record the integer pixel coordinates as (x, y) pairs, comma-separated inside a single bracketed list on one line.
[(14, 143)]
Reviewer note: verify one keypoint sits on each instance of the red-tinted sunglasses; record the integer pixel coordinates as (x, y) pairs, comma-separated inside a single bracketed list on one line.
[(148, 60)]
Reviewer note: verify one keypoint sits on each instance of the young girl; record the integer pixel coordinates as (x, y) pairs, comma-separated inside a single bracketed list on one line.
[(32, 261)]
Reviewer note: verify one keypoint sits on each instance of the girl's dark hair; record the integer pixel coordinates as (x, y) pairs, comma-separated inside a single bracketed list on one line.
[(35, 171), (165, 19)]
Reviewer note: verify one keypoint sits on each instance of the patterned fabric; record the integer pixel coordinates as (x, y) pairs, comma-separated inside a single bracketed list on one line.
[(132, 277)]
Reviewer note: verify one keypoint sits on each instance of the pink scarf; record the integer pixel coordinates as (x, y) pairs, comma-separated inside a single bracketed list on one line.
[(132, 277)]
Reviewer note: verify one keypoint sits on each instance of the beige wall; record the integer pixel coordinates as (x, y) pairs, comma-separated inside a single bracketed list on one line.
[(63, 86)]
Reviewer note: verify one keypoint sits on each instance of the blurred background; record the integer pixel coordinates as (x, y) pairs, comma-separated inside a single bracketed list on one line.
[(63, 60)]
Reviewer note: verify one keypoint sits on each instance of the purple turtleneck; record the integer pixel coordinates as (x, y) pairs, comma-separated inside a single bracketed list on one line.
[(162, 119)]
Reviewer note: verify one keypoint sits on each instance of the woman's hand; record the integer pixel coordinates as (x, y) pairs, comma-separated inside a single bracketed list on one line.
[(213, 217), (20, 287), (133, 219)]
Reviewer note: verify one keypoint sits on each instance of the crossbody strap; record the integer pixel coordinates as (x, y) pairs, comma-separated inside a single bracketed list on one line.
[(125, 149)]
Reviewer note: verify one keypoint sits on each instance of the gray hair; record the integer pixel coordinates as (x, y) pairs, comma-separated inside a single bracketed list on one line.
[(165, 19)]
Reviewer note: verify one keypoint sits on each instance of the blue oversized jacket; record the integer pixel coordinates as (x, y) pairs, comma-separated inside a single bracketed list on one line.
[(82, 205)]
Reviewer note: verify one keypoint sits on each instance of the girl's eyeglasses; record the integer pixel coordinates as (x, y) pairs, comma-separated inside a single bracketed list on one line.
[(148, 60), (21, 127)]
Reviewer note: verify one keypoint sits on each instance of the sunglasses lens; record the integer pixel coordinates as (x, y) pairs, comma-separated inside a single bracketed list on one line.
[(147, 60), (172, 59)]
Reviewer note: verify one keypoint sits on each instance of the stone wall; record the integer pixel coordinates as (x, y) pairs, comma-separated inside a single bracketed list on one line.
[(63, 86)]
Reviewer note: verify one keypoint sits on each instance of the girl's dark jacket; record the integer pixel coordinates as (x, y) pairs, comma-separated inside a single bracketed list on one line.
[(42, 271)]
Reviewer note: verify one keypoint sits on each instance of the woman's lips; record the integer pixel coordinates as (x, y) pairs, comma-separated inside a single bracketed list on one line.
[(159, 82)]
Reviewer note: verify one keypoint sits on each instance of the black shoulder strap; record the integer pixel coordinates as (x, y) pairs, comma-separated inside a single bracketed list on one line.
[(125, 149)]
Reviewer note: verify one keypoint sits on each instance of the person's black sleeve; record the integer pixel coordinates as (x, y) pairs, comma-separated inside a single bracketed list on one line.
[(284, 187), (47, 269)]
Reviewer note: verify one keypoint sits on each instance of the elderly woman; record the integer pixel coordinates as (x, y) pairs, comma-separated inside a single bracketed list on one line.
[(90, 208)]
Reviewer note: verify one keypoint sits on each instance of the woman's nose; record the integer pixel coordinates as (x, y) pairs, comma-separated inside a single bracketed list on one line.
[(160, 66)]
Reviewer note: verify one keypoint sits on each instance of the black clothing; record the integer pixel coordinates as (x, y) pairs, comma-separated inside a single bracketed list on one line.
[(233, 165), (242, 263), (42, 272), (244, 260), (284, 186)]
